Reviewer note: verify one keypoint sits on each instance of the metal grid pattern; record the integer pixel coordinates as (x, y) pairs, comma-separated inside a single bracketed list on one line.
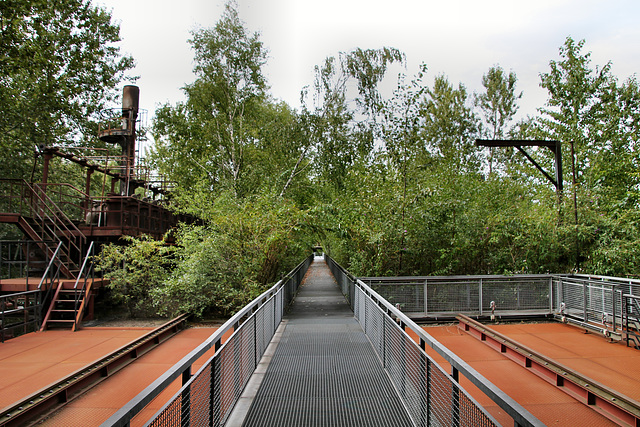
[(326, 374), (325, 371), (431, 396), (458, 296)]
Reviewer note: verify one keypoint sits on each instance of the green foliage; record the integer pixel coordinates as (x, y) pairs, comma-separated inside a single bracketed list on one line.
[(135, 269), (244, 248), (389, 186), (229, 135)]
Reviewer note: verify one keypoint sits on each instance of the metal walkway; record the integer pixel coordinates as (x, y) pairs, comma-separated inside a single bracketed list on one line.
[(325, 371)]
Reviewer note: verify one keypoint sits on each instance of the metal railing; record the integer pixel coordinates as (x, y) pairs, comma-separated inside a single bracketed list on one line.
[(208, 397), (446, 296), (41, 218), (594, 302), (22, 311), (631, 319), (82, 287), (432, 396), (23, 259)]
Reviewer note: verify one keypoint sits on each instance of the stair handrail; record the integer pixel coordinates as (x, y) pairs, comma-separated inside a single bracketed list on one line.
[(50, 210), (84, 265), (54, 222), (57, 217), (79, 295), (53, 277)]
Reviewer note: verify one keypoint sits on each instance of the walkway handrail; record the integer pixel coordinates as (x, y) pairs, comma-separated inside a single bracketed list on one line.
[(183, 368), (520, 415)]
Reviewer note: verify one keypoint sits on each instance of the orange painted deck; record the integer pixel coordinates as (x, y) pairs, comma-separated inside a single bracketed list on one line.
[(31, 362), (103, 400), (611, 364)]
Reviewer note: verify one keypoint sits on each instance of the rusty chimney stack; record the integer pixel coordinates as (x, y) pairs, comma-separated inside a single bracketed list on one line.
[(130, 98), (130, 103)]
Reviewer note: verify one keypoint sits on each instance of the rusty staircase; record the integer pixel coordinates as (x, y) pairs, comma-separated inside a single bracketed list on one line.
[(70, 299), (44, 222)]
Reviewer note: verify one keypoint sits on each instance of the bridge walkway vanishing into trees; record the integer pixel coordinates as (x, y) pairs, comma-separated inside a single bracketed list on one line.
[(354, 361)]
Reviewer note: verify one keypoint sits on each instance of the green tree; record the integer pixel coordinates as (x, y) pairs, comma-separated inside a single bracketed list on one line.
[(498, 104), (59, 65), (589, 111), (499, 101), (344, 125), (244, 248), (449, 127), (215, 130)]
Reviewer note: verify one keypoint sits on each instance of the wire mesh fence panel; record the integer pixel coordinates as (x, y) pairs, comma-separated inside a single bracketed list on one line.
[(453, 297), (410, 296), (469, 414), (200, 398), (407, 370), (374, 326), (170, 416), (515, 294), (442, 405), (573, 297), (265, 328)]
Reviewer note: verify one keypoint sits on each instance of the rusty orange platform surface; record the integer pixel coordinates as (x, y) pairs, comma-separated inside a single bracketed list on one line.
[(103, 400), (612, 364), (589, 354), (31, 362)]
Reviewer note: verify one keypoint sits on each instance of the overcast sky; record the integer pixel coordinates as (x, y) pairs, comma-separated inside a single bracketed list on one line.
[(458, 38)]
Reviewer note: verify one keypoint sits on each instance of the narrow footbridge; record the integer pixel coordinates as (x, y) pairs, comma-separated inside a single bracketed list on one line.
[(320, 348)]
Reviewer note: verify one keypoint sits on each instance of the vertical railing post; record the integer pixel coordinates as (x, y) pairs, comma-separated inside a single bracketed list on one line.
[(480, 296), (428, 399), (186, 399), (255, 341), (423, 383), (214, 418), (455, 398), (584, 302), (426, 297), (551, 299)]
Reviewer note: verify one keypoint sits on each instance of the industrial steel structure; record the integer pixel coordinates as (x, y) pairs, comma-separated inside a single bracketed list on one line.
[(46, 279)]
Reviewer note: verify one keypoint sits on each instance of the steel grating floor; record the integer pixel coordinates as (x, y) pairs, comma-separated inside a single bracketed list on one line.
[(324, 371)]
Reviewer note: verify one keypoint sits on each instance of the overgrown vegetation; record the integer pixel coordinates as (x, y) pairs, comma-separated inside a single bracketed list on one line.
[(389, 186)]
